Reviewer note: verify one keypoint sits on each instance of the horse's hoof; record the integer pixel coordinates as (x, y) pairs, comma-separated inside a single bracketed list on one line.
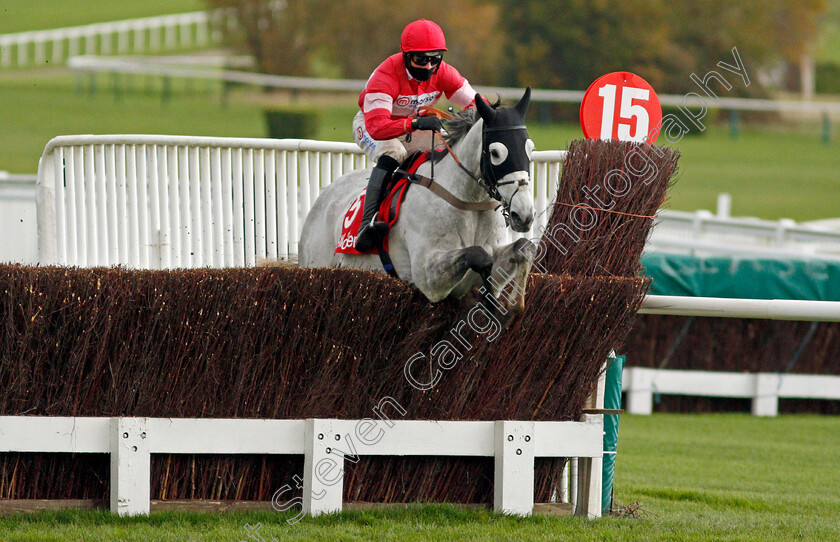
[(478, 260), (523, 251)]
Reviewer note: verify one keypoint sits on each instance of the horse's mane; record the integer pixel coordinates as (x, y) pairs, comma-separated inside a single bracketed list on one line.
[(461, 122)]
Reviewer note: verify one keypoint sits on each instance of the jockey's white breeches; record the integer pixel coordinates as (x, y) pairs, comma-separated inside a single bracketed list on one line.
[(397, 148)]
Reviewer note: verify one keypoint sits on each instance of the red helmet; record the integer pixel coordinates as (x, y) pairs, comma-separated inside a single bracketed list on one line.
[(422, 35)]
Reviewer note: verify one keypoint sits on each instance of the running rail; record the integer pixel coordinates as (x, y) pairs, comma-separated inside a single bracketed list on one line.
[(720, 307)]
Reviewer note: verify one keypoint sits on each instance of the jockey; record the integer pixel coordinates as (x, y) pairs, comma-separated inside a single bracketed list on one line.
[(388, 126)]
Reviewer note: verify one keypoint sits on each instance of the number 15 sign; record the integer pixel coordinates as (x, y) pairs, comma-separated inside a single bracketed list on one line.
[(623, 106)]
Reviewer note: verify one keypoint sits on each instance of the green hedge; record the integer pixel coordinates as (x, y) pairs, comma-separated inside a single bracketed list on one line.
[(828, 78), (292, 123)]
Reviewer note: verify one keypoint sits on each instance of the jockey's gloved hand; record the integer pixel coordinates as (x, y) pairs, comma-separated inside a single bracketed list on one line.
[(426, 123)]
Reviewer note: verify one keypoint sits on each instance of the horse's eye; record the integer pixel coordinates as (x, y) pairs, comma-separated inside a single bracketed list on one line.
[(498, 153), (529, 148)]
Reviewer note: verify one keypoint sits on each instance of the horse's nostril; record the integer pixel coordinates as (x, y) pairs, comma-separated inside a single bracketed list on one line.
[(515, 217)]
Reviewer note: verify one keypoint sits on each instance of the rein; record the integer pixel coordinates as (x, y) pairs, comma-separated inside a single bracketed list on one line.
[(444, 194)]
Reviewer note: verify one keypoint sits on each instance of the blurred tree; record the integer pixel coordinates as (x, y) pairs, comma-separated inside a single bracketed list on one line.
[(766, 32), (569, 44), (277, 33), (350, 38), (542, 43)]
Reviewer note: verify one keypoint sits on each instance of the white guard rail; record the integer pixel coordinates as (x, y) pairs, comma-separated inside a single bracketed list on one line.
[(18, 216), (157, 202), (329, 446), (511, 93), (703, 232), (765, 389), (135, 36), (722, 307)]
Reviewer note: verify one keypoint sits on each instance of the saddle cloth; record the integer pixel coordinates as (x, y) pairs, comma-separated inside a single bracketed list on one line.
[(389, 209)]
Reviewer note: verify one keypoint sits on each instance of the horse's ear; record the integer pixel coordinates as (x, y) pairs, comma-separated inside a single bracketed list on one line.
[(484, 110), (522, 106)]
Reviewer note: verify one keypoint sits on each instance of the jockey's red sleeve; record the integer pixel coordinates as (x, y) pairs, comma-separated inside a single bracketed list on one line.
[(381, 126), (457, 89)]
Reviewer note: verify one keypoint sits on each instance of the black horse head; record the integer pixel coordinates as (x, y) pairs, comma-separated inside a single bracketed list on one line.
[(506, 159)]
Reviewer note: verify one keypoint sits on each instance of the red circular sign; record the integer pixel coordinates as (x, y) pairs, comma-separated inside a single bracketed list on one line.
[(623, 106)]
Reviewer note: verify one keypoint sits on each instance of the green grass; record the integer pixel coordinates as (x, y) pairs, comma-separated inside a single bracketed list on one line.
[(698, 477), (771, 172), (37, 108), (23, 15)]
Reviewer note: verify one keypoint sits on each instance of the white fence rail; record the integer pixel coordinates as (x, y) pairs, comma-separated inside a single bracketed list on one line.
[(723, 307), (133, 36), (327, 446), (704, 233), (765, 389), (150, 201), (802, 107)]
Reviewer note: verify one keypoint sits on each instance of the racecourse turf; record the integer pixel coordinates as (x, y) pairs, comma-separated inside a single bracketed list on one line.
[(22, 16), (701, 478)]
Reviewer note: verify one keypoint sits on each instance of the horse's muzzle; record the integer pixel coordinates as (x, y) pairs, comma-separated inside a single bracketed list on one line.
[(518, 224)]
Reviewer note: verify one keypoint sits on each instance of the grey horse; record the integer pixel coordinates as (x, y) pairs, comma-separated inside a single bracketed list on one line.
[(443, 250)]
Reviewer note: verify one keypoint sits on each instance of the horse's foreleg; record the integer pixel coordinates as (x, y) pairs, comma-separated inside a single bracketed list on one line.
[(440, 272), (511, 266)]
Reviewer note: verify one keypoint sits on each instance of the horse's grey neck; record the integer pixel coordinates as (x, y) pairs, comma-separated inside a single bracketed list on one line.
[(456, 180)]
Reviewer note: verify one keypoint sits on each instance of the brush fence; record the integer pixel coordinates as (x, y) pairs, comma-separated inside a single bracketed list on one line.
[(328, 447), (162, 202)]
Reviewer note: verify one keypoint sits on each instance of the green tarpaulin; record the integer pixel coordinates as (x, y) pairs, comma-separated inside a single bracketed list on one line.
[(736, 277)]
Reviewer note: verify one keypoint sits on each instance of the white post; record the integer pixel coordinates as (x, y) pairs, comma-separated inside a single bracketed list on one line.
[(323, 471), (639, 391), (589, 484), (5, 52), (564, 482), (590, 468), (292, 203), (40, 52), (23, 53), (281, 218), (47, 206), (130, 467), (514, 473), (272, 193), (724, 205), (807, 79), (766, 399), (58, 49)]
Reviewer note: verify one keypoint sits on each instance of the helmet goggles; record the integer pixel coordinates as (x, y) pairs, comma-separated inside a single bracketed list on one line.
[(422, 58)]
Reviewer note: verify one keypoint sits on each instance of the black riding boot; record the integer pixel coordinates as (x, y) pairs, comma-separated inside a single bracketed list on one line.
[(371, 233)]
